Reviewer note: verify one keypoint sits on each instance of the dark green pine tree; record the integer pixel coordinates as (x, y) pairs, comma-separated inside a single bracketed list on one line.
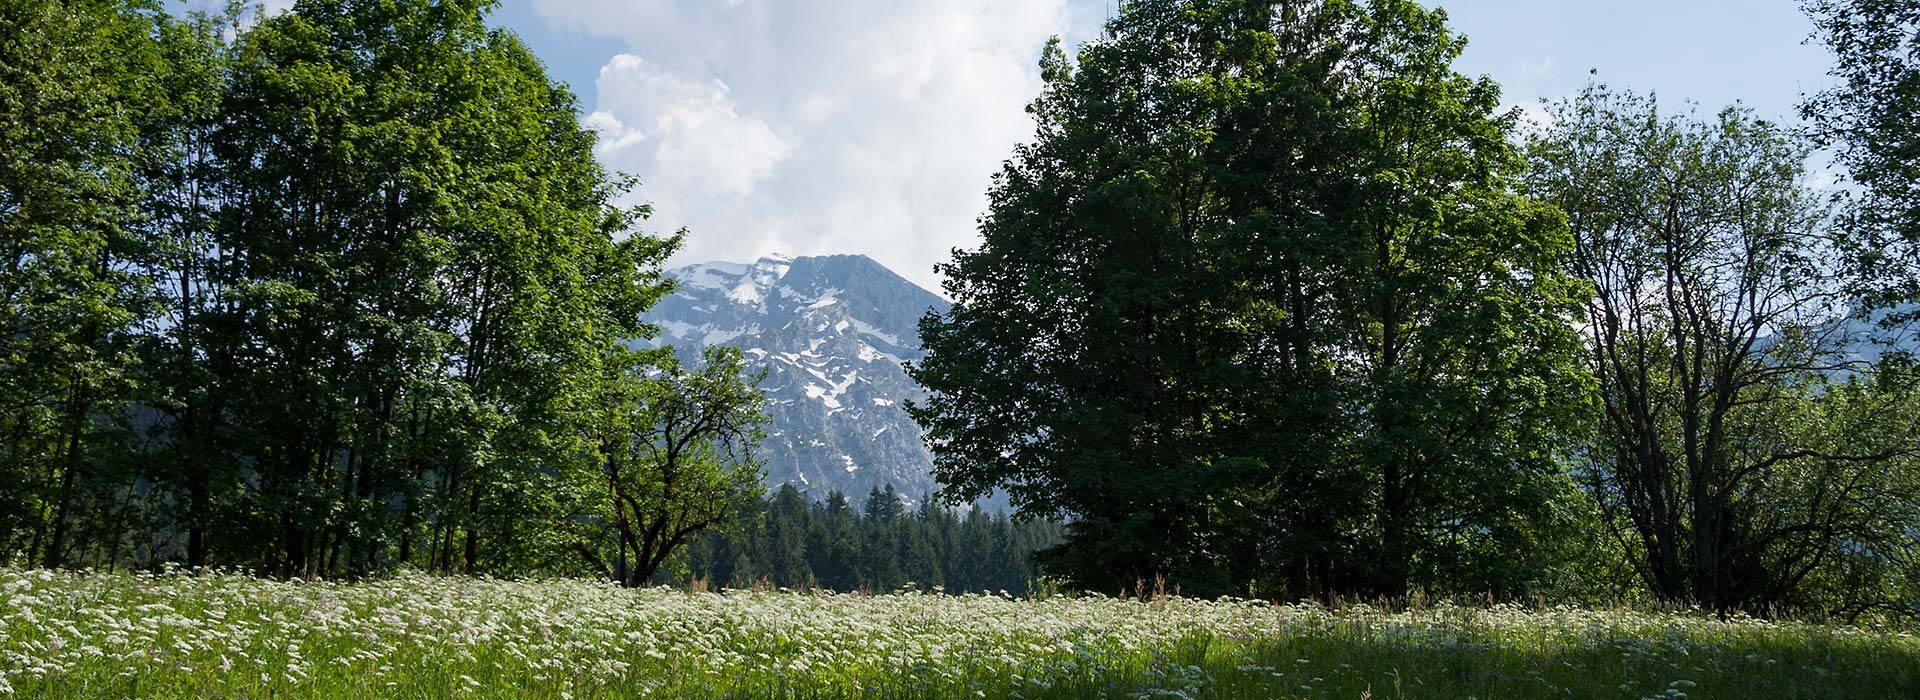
[(845, 550), (752, 551), (972, 549), (920, 556), (787, 529), (939, 523), (836, 560), (880, 541), (884, 504)]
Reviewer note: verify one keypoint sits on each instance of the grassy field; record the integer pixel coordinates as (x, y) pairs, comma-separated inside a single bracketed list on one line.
[(77, 635)]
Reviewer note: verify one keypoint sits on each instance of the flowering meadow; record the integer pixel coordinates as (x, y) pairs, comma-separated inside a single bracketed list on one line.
[(97, 635)]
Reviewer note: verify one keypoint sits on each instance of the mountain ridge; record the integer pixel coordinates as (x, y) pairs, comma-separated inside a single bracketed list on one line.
[(832, 332)]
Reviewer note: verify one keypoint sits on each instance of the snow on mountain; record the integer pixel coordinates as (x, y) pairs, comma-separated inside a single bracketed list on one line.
[(832, 332)]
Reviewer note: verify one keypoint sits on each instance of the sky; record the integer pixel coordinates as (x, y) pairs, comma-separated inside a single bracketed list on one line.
[(811, 127)]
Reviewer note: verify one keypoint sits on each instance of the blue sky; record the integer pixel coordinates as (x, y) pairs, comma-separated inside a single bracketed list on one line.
[(1714, 52), (874, 126), (1710, 51)]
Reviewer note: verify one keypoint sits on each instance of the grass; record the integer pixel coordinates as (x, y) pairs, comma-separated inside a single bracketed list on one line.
[(93, 635)]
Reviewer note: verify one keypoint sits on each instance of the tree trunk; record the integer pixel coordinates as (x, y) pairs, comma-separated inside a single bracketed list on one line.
[(56, 549), (199, 499), (472, 548)]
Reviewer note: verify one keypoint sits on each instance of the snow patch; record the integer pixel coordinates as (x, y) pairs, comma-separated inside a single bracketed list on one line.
[(718, 336), (679, 329), (869, 329), (746, 293), (869, 354), (827, 299), (829, 396), (815, 392), (713, 275)]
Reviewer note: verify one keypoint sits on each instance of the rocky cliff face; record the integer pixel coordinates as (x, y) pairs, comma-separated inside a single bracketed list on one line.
[(832, 332)]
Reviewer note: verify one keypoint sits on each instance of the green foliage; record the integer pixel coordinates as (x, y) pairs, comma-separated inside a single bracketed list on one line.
[(1866, 118), (1745, 454), (452, 253), (1259, 311), (676, 456), (1273, 306), (319, 293), (72, 88)]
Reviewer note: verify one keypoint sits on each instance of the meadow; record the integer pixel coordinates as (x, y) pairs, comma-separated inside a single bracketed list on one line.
[(100, 635)]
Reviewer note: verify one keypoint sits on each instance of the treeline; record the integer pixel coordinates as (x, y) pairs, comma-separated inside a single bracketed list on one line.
[(1278, 303), (329, 292), (788, 541)]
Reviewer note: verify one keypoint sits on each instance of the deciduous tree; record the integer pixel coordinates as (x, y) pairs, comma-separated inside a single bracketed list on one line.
[(677, 455), (1259, 311), (1743, 442)]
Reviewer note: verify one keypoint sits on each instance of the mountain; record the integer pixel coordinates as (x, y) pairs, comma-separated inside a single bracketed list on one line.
[(1867, 337), (831, 331)]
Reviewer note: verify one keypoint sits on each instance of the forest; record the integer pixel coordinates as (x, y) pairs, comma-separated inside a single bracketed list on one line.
[(1274, 304), (787, 541), (1279, 304), (331, 292)]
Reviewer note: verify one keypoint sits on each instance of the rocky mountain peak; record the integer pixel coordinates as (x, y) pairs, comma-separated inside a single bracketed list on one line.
[(832, 332)]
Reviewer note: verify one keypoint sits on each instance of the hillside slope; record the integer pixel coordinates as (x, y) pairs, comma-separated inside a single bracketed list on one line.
[(832, 332)]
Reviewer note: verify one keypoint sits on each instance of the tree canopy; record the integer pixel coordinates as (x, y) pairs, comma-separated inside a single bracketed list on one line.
[(1258, 310), (326, 292), (1745, 446), (1867, 119)]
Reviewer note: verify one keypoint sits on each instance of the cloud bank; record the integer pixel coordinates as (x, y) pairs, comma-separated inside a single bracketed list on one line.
[(815, 127)]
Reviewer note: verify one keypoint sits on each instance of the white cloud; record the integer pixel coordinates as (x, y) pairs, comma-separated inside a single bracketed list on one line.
[(862, 126), (1535, 116), (688, 129), (1821, 174), (1530, 70)]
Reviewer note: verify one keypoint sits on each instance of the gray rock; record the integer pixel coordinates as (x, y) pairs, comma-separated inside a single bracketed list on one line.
[(832, 332)]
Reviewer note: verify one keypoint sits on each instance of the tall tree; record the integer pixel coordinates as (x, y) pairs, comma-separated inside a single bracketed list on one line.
[(315, 293), (1456, 359), (1258, 311), (1737, 446), (1868, 119), (421, 242), (677, 455), (835, 560), (187, 344), (787, 537), (75, 76)]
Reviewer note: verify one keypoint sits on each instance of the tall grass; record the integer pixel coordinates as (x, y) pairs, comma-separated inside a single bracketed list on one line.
[(91, 635)]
